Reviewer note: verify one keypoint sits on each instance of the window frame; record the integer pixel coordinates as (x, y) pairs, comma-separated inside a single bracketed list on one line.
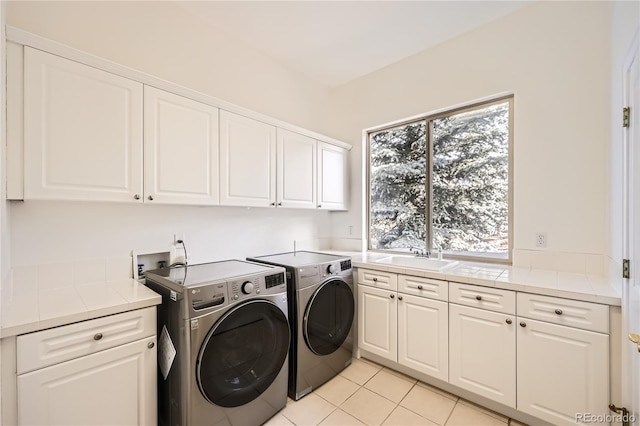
[(428, 118)]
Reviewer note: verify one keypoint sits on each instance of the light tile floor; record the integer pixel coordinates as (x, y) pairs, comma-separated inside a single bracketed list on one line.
[(366, 393)]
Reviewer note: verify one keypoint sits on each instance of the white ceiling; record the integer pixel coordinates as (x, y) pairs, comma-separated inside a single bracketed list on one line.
[(334, 42)]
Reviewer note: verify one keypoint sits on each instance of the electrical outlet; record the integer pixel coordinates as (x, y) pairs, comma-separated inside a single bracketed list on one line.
[(350, 229), (541, 239)]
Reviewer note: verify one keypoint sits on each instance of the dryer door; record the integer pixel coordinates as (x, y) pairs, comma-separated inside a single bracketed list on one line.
[(243, 353), (328, 316)]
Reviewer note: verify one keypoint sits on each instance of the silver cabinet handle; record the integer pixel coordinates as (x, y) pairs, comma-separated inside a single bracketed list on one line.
[(319, 206), (273, 204), (150, 197), (478, 297), (279, 204), (420, 287), (137, 196), (97, 336), (558, 311), (392, 296), (150, 345), (375, 279), (509, 321), (399, 297), (523, 324)]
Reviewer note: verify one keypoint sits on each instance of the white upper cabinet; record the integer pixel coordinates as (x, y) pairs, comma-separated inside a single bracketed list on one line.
[(296, 170), (180, 149), (82, 131), (332, 177), (247, 161)]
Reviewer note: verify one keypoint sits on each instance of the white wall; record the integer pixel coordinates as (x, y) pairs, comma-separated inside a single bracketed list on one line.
[(554, 57), (625, 21), (160, 39)]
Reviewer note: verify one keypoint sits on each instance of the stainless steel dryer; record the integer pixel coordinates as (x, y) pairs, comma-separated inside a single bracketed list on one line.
[(321, 313), (223, 339)]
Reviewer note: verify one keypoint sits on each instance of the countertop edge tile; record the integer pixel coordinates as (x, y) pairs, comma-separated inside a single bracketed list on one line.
[(526, 280)]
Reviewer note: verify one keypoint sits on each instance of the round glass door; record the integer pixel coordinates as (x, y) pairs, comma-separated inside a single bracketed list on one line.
[(243, 354), (328, 317)]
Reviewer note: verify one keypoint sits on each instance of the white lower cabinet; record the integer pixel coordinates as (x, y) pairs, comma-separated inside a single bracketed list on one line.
[(562, 371), (422, 335), (404, 328), (544, 356), (112, 386), (482, 353), (378, 322)]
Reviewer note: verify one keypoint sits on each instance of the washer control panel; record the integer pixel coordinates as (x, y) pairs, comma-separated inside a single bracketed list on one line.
[(257, 285)]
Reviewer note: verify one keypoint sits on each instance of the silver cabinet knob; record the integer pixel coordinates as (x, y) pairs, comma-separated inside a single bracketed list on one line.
[(399, 297), (509, 321), (319, 206), (478, 297), (150, 197), (279, 204), (558, 311), (273, 204), (420, 287), (392, 296), (375, 279), (137, 196), (150, 345), (97, 336), (523, 324)]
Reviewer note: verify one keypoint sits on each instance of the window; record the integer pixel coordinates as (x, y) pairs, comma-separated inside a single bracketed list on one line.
[(442, 182)]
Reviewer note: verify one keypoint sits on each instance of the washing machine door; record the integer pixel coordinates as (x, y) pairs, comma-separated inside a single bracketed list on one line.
[(328, 316), (243, 353)]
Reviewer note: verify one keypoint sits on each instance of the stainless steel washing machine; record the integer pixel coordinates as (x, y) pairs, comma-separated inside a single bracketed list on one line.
[(321, 313), (223, 339)]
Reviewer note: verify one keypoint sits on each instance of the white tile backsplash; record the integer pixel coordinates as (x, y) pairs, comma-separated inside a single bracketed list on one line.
[(55, 275), (579, 263)]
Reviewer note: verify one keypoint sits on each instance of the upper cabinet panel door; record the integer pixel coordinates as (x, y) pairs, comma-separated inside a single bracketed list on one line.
[(332, 177), (82, 131), (296, 175), (180, 149), (247, 161)]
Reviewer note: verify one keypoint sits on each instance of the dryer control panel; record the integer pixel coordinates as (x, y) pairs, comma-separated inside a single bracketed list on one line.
[(257, 285)]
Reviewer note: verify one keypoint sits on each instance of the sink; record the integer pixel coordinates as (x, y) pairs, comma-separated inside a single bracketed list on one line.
[(419, 262)]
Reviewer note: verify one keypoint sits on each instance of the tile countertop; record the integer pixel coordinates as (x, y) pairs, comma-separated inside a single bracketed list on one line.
[(589, 288), (45, 308)]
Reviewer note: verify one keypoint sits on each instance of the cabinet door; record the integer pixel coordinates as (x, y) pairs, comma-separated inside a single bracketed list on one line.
[(423, 337), (562, 371), (247, 161), (482, 353), (114, 387), (82, 131), (378, 321), (296, 170), (332, 177), (180, 149)]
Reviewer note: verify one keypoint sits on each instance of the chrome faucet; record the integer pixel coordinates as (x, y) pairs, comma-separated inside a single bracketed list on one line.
[(421, 252)]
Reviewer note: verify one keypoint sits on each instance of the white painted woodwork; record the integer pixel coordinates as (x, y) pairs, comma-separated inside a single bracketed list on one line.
[(15, 121), (247, 161), (378, 322), (573, 313), (423, 287), (379, 279), (82, 131), (493, 299), (562, 371), (423, 340), (55, 345), (296, 170), (482, 353), (180, 149), (332, 177), (116, 386)]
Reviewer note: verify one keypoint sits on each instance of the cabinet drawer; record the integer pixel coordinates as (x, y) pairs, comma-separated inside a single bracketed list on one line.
[(573, 313), (425, 287), (385, 280), (49, 347), (492, 299)]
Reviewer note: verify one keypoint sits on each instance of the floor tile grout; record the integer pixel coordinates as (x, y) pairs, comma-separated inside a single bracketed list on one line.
[(478, 409)]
